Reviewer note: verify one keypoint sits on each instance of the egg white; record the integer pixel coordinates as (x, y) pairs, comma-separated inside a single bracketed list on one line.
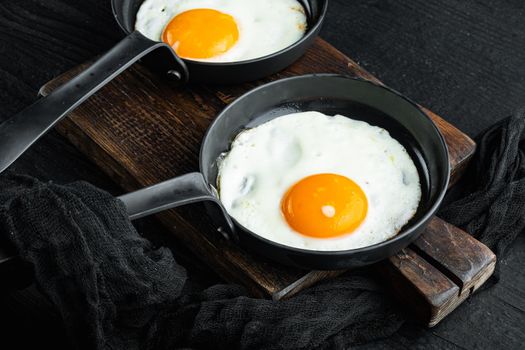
[(265, 161), (264, 27)]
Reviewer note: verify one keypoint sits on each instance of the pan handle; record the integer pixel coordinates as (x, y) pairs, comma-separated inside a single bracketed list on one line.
[(21, 131), (182, 190)]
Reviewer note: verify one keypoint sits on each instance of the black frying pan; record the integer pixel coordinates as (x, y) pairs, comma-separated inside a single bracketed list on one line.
[(330, 94), (21, 131)]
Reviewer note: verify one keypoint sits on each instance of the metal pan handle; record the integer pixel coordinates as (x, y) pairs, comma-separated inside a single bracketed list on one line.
[(21, 131), (182, 190)]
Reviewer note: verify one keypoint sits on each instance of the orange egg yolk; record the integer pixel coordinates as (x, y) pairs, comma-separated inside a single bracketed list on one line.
[(324, 206), (201, 33)]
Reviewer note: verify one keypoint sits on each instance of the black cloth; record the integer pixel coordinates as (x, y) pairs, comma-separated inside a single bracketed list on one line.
[(114, 290), (489, 202)]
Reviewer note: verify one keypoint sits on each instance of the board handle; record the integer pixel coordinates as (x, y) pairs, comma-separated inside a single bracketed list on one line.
[(21, 131), (182, 190)]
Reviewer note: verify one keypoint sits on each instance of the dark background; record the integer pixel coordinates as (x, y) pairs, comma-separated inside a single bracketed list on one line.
[(464, 60)]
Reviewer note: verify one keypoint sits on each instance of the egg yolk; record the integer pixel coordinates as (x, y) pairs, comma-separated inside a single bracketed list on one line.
[(201, 33), (324, 206)]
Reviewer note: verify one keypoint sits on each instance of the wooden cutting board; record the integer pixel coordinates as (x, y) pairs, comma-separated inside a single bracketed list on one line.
[(141, 130)]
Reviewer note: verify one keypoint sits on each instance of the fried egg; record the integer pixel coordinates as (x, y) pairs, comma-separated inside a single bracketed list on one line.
[(319, 182), (223, 30)]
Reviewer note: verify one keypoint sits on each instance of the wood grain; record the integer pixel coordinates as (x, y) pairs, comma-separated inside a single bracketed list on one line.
[(438, 271), (457, 254), (141, 130), (417, 283)]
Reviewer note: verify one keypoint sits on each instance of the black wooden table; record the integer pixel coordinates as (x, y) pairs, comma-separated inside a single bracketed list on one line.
[(462, 59)]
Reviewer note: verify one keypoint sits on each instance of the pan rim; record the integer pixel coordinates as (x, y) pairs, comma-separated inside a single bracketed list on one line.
[(428, 214), (313, 31)]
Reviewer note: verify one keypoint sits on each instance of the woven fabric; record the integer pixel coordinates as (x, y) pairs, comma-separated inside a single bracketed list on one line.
[(489, 202)]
